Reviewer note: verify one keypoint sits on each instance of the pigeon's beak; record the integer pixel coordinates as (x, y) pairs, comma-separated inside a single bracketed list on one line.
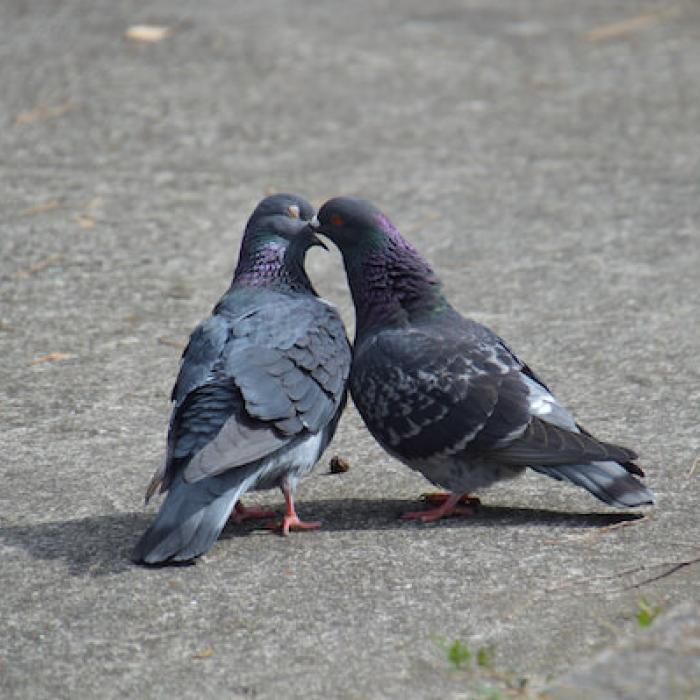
[(313, 226), (315, 240)]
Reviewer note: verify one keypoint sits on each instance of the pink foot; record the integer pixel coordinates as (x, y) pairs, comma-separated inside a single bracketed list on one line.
[(451, 504), (291, 520), (438, 498), (243, 513)]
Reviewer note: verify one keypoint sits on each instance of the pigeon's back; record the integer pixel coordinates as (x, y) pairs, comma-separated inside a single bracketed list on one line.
[(259, 379)]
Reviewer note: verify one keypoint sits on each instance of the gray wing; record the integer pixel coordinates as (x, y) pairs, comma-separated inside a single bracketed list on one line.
[(430, 391), (203, 350), (422, 393), (250, 384), (291, 363)]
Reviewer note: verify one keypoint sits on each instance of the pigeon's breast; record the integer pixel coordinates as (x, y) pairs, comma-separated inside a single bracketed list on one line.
[(462, 474)]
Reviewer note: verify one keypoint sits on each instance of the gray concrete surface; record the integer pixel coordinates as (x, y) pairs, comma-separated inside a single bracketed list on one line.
[(661, 663), (546, 158)]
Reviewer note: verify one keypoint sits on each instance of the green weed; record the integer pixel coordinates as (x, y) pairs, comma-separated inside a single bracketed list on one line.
[(479, 666), (458, 655), (646, 613)]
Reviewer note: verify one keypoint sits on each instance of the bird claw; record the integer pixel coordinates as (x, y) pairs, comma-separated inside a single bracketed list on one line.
[(437, 498), (430, 516), (292, 522), (449, 504)]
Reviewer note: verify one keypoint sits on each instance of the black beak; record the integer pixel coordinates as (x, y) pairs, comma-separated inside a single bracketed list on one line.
[(313, 226), (315, 240)]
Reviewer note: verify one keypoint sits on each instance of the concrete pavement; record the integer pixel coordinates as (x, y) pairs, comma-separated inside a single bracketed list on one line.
[(543, 155)]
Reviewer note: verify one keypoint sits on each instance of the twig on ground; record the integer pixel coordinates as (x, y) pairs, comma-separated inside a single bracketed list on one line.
[(624, 27), (170, 342), (599, 531), (677, 566), (673, 567), (39, 266)]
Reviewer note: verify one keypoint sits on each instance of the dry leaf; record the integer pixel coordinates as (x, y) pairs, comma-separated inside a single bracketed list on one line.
[(52, 357), (693, 467), (42, 113), (171, 342), (628, 26), (41, 265), (40, 208), (204, 653), (148, 33), (85, 221)]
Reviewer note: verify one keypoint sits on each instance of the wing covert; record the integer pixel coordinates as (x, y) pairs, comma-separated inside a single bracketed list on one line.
[(250, 384)]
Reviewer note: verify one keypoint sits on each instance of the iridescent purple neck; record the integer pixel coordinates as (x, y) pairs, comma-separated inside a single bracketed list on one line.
[(393, 234), (391, 283), (270, 265)]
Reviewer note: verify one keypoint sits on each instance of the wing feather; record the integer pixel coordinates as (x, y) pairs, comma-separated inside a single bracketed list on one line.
[(250, 383), (459, 389)]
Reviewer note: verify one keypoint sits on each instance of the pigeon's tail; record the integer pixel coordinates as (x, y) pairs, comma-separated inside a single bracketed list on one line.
[(608, 481), (192, 517)]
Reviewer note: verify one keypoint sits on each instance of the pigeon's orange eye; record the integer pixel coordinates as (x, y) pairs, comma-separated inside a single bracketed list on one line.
[(293, 211), (336, 220)]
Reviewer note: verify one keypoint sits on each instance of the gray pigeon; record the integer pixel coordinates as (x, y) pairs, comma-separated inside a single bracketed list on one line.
[(444, 394), (260, 391)]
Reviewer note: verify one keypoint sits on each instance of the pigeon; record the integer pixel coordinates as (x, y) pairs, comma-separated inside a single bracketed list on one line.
[(443, 393), (261, 387)]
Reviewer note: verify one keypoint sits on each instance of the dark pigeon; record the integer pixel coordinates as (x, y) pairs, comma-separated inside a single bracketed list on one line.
[(444, 394), (260, 391)]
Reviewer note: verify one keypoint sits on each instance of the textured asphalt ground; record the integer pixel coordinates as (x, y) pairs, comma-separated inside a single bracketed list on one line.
[(545, 156)]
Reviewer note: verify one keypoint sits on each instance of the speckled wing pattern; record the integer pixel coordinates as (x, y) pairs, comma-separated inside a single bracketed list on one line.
[(250, 383), (456, 389)]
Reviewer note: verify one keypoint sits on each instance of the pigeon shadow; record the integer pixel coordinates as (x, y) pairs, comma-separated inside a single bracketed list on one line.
[(101, 545), (94, 546), (338, 515)]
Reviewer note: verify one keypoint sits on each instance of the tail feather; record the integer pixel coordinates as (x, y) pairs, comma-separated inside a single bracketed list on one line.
[(608, 481), (192, 517)]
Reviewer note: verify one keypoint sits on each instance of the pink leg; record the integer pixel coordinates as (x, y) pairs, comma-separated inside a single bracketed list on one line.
[(291, 520), (242, 513), (451, 505)]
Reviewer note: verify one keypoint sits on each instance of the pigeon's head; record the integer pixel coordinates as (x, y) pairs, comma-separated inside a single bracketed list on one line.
[(275, 242), (388, 277), (283, 219), (352, 224)]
